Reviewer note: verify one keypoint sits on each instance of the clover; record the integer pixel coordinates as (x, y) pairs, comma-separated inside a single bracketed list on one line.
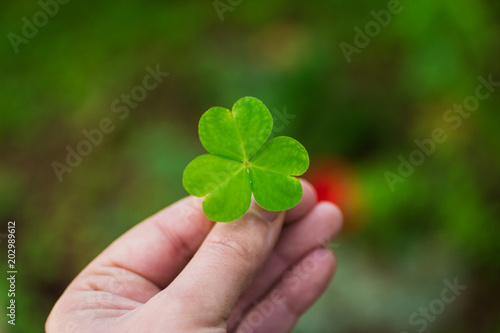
[(240, 163)]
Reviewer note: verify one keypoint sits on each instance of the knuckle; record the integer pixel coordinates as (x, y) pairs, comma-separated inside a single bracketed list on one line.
[(225, 246)]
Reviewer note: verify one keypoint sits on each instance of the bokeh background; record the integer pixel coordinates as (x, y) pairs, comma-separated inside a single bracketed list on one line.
[(356, 119)]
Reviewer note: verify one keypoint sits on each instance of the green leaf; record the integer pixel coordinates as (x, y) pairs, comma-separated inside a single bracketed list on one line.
[(226, 180), (238, 134), (254, 123), (235, 194), (206, 173), (240, 163), (271, 172), (218, 134), (275, 191), (284, 155)]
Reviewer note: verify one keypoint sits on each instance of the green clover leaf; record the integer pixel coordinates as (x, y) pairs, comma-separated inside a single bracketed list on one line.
[(241, 163)]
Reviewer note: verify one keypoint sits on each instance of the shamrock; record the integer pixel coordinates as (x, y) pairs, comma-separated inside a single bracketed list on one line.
[(241, 163)]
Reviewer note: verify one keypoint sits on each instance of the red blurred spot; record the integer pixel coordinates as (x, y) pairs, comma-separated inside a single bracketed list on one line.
[(335, 181)]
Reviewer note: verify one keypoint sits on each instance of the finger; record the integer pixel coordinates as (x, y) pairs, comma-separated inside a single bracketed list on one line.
[(299, 289), (225, 264), (316, 229), (309, 199), (158, 248)]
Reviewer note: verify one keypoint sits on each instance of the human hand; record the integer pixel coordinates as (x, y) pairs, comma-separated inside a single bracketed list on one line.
[(179, 272)]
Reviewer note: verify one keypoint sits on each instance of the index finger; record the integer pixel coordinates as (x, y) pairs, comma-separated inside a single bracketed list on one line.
[(159, 247)]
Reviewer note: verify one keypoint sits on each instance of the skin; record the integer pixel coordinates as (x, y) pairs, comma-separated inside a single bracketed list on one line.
[(179, 272)]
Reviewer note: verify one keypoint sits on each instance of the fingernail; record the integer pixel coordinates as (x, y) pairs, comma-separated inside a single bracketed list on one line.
[(321, 254), (269, 215), (264, 214)]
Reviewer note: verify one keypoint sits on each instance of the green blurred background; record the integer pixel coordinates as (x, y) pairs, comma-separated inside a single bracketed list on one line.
[(355, 119)]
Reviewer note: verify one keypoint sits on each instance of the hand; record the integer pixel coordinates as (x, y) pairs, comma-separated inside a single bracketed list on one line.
[(179, 272)]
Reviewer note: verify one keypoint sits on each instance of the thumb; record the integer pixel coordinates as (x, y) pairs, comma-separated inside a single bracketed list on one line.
[(225, 264)]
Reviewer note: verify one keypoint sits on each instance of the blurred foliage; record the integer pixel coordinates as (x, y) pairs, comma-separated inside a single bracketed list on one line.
[(441, 223)]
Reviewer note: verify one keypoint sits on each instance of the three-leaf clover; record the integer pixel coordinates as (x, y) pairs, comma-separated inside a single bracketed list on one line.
[(241, 163)]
